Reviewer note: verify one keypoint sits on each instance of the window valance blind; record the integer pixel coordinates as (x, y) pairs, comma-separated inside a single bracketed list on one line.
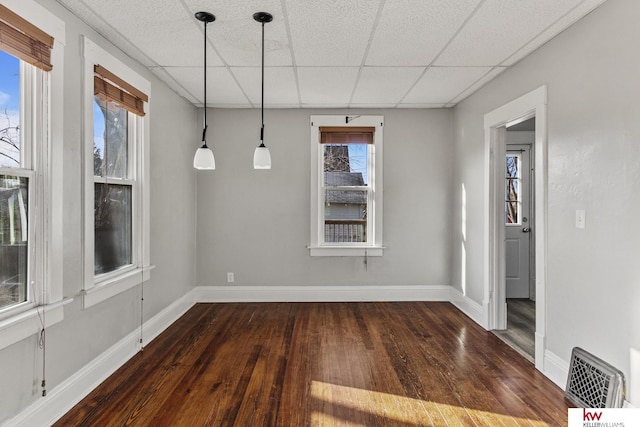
[(346, 134), (111, 87), (24, 40)]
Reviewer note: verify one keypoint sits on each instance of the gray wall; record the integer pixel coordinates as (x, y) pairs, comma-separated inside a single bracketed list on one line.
[(85, 334), (256, 223), (593, 290)]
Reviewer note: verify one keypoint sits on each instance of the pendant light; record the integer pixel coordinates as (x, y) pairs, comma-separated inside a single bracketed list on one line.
[(262, 157), (204, 156)]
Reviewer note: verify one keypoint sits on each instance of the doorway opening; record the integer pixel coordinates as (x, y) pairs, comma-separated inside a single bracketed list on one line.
[(519, 221), (496, 124)]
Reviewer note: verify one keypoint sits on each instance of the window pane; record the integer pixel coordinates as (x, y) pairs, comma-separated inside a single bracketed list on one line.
[(110, 145), (513, 211), (513, 189), (513, 166), (345, 215), (9, 110), (14, 199), (112, 215), (346, 165)]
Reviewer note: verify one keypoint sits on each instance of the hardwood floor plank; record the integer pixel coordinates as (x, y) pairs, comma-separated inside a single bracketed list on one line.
[(313, 364)]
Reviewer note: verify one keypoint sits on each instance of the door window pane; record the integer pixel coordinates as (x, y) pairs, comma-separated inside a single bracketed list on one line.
[(14, 208), (112, 216), (9, 111), (513, 195)]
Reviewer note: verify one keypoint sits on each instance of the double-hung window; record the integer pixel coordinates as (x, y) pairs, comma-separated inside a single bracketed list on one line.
[(30, 276), (346, 185), (116, 178)]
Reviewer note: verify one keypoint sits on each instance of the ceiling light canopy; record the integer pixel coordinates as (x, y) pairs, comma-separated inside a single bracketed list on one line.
[(203, 158)]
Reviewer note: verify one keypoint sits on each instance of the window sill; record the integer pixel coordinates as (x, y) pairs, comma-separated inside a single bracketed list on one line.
[(345, 251), (27, 323), (115, 285)]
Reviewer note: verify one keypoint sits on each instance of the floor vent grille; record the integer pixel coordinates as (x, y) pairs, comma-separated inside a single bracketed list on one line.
[(593, 383)]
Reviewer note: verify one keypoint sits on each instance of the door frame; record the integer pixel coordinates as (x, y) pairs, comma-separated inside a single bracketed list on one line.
[(531, 104)]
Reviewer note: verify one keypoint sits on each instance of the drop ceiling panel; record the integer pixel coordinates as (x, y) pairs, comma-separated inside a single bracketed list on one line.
[(331, 33), (238, 37), (222, 89), (556, 28), (385, 85), (501, 27), (413, 32), (326, 86), (279, 87), (439, 83), (477, 85), (166, 31)]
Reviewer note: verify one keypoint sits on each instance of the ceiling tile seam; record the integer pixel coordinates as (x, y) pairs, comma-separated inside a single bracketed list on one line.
[(542, 32), (451, 101), (413, 85), (458, 31), (99, 18), (222, 59), (155, 69), (287, 27), (374, 28)]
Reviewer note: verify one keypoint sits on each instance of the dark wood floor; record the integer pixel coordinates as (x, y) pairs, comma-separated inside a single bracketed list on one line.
[(324, 364), (521, 327)]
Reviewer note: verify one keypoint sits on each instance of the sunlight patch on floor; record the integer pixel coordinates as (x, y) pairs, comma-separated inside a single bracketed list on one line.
[(342, 405)]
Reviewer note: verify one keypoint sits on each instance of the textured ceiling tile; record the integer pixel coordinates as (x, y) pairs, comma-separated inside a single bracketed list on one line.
[(326, 85), (499, 28), (477, 85), (385, 85), (279, 85), (442, 84), (168, 33), (175, 85), (331, 32), (403, 105), (413, 32), (238, 37), (555, 29), (222, 89)]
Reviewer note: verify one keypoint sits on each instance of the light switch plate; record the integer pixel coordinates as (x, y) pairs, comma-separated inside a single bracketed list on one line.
[(580, 218)]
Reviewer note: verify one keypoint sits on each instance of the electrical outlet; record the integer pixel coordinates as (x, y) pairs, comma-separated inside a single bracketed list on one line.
[(230, 277)]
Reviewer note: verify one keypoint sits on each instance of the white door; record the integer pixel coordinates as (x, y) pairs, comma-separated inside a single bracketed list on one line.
[(517, 221)]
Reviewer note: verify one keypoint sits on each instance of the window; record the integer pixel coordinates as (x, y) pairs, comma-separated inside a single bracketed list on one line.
[(30, 169), (346, 186), (116, 197), (513, 197)]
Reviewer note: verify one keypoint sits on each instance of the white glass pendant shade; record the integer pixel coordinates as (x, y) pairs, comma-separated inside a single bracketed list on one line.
[(262, 158), (204, 158)]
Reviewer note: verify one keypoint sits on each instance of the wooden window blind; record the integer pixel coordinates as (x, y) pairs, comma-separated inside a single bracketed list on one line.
[(346, 135), (111, 87), (24, 40)]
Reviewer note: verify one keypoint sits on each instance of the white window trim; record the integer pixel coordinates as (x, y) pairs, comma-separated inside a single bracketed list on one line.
[(99, 288), (316, 247), (24, 321)]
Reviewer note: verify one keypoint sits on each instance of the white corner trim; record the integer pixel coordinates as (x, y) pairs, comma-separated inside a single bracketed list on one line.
[(468, 306), (321, 293), (46, 411), (23, 325)]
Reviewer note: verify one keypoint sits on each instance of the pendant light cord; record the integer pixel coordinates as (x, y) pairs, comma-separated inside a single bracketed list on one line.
[(262, 95), (204, 130)]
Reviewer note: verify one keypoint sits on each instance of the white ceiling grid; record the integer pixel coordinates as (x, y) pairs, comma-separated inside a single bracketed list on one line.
[(331, 53)]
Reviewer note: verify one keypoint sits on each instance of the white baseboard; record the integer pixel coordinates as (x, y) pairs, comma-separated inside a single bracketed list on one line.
[(468, 306), (47, 410), (556, 369), (320, 293)]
